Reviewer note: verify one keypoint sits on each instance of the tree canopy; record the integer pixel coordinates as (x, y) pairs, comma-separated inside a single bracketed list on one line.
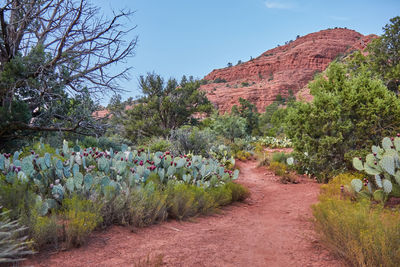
[(165, 106), (54, 55), (350, 112), (384, 55)]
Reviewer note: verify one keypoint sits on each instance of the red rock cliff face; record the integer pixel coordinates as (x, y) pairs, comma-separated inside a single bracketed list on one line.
[(279, 70)]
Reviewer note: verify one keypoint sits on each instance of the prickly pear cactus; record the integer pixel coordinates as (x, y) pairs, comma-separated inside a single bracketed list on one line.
[(383, 162), (91, 171)]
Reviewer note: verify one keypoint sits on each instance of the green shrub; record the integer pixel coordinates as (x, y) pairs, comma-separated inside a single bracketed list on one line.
[(19, 199), (350, 111), (222, 195), (204, 201), (238, 191), (159, 144), (362, 233), (114, 208), (279, 157), (263, 159), (230, 126), (181, 201), (243, 155), (189, 139), (105, 143), (333, 188), (147, 206), (45, 231), (278, 168), (82, 217), (39, 149)]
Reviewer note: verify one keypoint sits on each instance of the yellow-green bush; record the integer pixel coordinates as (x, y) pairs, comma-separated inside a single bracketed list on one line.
[(188, 200), (181, 201), (204, 200), (147, 206), (82, 217), (45, 231), (332, 189), (362, 233), (243, 155), (278, 168), (238, 192), (222, 195)]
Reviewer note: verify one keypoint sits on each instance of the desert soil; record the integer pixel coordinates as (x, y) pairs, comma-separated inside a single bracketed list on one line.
[(272, 228)]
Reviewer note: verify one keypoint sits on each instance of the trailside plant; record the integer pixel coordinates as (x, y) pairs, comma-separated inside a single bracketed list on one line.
[(13, 245), (350, 111), (274, 142), (64, 194), (91, 171), (361, 232), (383, 164)]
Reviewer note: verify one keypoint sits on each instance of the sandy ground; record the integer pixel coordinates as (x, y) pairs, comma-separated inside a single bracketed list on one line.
[(272, 228)]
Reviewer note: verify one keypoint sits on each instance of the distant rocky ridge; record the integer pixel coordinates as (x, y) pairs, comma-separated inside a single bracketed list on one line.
[(281, 70)]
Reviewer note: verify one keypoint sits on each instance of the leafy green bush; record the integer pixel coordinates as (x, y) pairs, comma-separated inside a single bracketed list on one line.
[(279, 157), (248, 111), (160, 144), (165, 105), (115, 142), (187, 200), (362, 233), (336, 186), (18, 198), (350, 111), (189, 139), (230, 126)]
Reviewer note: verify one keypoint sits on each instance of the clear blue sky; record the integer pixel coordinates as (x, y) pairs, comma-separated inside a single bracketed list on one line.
[(178, 37)]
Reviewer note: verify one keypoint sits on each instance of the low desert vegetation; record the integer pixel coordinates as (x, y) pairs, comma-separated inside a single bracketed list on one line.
[(62, 195), (362, 232), (66, 171)]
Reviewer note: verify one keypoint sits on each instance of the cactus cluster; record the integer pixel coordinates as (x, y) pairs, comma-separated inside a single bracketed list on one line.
[(273, 142), (383, 164), (223, 155), (87, 171)]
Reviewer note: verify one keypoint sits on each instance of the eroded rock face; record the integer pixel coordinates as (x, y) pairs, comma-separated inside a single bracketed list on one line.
[(281, 70)]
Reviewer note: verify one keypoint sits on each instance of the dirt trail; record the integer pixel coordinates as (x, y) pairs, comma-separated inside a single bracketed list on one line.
[(272, 228)]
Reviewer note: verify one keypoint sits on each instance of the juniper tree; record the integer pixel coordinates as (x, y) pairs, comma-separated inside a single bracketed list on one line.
[(55, 55)]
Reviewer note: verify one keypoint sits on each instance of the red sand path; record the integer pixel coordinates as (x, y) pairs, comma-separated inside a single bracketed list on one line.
[(272, 228)]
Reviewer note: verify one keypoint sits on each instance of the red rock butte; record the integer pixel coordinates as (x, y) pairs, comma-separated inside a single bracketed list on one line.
[(279, 70)]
